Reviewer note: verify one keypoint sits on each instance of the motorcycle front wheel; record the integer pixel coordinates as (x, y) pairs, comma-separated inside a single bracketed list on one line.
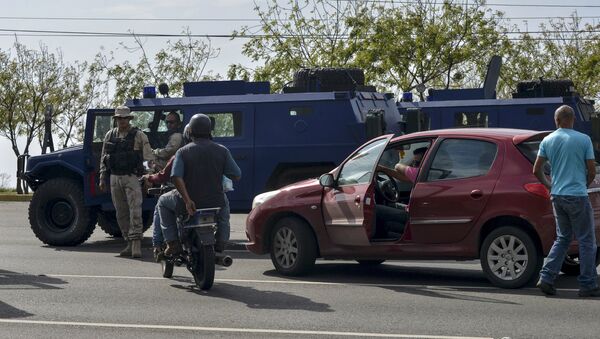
[(203, 265)]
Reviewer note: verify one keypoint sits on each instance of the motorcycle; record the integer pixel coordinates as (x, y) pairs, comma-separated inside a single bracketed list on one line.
[(197, 237)]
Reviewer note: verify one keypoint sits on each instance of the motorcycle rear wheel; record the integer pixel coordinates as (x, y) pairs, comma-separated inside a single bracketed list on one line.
[(203, 265), (167, 268)]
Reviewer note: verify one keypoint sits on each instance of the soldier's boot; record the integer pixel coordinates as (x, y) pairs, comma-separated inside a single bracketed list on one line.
[(173, 248), (127, 251), (136, 248)]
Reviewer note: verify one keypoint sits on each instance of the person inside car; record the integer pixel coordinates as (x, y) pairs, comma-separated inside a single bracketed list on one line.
[(405, 172), (391, 220)]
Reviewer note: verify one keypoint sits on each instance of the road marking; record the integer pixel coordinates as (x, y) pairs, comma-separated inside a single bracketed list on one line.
[(234, 330)]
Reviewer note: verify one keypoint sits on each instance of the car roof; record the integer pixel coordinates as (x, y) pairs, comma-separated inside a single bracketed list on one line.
[(516, 135)]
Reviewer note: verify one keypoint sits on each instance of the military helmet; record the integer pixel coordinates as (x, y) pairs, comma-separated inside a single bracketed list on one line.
[(200, 125)]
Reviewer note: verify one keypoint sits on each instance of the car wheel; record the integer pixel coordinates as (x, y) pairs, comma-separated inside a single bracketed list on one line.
[(571, 264), (370, 262), (293, 247), (57, 214), (510, 258)]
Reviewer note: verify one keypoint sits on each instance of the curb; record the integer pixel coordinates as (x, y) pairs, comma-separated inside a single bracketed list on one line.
[(236, 245)]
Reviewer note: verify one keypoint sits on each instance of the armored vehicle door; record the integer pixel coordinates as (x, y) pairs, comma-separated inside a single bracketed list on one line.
[(98, 123)]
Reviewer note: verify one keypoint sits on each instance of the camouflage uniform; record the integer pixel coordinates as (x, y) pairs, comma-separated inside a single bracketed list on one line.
[(162, 155), (125, 189)]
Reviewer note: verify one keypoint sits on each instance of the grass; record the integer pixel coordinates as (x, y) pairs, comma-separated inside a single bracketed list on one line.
[(9, 194)]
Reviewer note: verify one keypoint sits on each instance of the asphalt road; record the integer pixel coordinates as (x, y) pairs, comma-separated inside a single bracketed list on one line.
[(87, 291)]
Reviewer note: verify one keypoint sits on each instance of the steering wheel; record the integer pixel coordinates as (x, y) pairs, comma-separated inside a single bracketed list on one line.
[(386, 186)]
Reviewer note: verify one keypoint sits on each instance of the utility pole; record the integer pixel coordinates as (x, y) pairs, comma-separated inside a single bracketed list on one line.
[(48, 143)]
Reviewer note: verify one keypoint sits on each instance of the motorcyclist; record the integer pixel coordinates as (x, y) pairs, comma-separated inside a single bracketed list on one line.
[(163, 177), (197, 173)]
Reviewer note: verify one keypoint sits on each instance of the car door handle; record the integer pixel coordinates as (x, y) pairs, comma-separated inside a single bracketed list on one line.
[(476, 194), (357, 200)]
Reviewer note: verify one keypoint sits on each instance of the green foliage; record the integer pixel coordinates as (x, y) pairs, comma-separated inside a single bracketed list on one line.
[(305, 33), (180, 61)]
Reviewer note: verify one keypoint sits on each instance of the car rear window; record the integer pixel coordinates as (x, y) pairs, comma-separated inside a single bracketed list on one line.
[(530, 149)]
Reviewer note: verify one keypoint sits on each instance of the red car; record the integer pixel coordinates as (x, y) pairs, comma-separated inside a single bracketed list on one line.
[(474, 197)]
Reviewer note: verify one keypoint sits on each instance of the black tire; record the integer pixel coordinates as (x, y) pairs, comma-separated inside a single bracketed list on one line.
[(167, 268), (57, 214), (510, 258), (571, 264), (203, 265), (107, 220), (293, 247), (371, 262)]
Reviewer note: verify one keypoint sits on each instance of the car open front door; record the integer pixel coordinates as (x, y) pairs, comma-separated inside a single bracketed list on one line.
[(348, 207)]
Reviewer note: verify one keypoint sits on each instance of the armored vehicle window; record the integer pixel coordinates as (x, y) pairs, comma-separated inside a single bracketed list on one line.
[(102, 125), (471, 119), (226, 124)]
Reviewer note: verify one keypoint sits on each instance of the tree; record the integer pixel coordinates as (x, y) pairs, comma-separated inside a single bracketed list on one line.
[(426, 42), (29, 81), (305, 33), (562, 50), (181, 61)]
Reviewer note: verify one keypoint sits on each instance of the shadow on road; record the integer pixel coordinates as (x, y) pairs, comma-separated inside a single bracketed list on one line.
[(9, 312), (20, 281), (258, 299), (13, 281), (436, 282)]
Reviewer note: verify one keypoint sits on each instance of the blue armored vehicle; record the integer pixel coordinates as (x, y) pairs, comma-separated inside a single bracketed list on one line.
[(276, 139), (532, 107)]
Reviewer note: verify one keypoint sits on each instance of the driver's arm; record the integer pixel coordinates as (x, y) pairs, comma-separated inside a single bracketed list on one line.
[(394, 173)]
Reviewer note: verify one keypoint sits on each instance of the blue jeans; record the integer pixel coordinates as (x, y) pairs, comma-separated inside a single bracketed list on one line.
[(167, 207), (157, 236), (573, 216)]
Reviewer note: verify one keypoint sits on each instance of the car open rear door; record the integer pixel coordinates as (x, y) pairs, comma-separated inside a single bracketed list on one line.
[(348, 206)]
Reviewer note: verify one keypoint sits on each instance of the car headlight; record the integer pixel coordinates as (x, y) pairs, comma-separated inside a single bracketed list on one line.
[(261, 198)]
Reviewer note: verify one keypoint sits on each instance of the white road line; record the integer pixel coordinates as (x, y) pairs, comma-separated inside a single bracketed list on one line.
[(234, 330)]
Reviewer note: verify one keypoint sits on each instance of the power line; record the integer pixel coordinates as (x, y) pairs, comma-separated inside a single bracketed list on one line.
[(229, 35), (491, 4), (48, 33)]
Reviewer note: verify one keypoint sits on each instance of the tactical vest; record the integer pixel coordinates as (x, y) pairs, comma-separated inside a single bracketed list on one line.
[(121, 158), (204, 164)]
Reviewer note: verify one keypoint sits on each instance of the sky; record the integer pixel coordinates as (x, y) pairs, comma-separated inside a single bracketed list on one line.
[(150, 15)]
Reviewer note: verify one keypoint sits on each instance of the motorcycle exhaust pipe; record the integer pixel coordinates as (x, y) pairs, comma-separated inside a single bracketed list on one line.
[(223, 260)]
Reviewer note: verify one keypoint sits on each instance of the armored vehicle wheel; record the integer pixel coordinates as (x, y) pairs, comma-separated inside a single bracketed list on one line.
[(57, 214), (107, 220)]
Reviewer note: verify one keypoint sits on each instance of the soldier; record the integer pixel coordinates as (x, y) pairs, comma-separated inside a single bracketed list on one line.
[(124, 150), (162, 155)]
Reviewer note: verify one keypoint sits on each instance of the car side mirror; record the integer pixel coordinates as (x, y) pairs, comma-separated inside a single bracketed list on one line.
[(326, 180)]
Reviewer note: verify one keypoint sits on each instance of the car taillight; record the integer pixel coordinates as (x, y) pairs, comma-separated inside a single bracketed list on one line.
[(538, 189)]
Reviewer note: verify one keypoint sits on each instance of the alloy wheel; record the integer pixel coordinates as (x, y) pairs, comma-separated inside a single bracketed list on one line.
[(507, 257), (286, 247)]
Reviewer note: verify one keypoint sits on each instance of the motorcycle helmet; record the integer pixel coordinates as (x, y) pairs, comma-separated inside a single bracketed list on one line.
[(200, 126)]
